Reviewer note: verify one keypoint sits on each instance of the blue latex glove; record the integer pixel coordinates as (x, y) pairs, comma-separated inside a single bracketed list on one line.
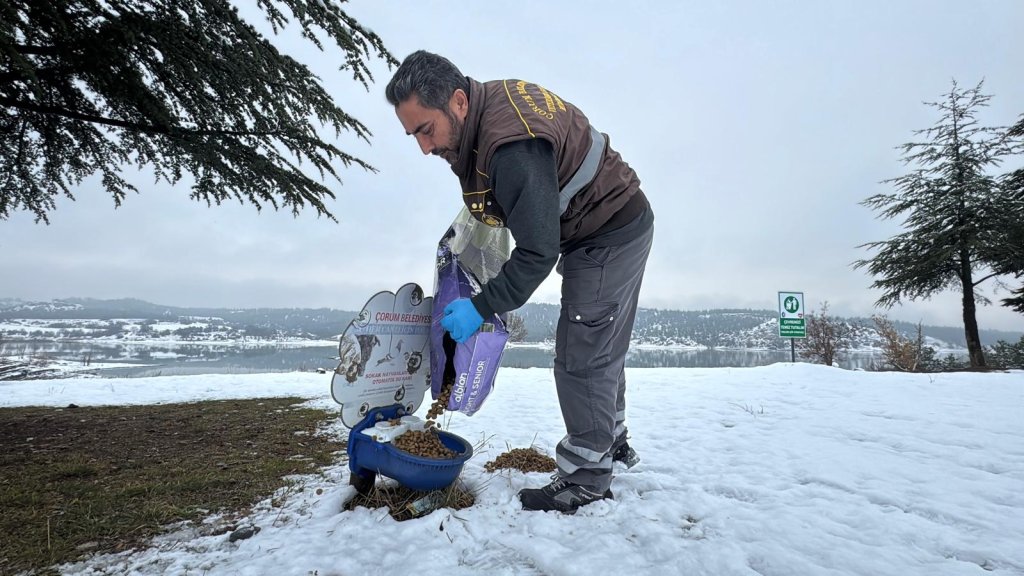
[(461, 319)]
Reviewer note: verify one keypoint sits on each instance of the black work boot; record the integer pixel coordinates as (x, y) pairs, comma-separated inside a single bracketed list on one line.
[(626, 455), (561, 496)]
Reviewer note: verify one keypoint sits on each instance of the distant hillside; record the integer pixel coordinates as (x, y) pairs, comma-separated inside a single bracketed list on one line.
[(741, 328), (131, 319), (310, 323)]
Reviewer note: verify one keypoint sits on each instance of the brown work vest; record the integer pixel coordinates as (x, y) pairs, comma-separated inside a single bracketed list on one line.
[(594, 182)]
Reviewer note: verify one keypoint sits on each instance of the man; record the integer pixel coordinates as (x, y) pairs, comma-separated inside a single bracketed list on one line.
[(530, 161)]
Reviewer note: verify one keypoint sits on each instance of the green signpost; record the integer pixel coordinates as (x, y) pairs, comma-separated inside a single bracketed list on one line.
[(792, 323)]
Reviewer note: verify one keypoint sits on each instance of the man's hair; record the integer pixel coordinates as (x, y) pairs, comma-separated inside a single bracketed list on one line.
[(431, 77)]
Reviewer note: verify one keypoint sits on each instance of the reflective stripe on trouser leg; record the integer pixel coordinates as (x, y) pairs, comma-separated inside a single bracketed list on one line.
[(619, 432), (600, 287)]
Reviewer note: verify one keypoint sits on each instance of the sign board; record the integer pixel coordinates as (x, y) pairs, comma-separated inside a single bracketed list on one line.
[(383, 355), (792, 323)]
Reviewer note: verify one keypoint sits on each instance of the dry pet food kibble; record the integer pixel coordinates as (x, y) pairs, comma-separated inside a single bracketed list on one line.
[(522, 459), (425, 443), (437, 408)]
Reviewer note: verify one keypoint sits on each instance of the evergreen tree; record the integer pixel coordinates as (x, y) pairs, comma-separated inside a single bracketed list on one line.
[(1006, 248), (185, 87), (1007, 355), (1016, 300), (952, 206), (1008, 245)]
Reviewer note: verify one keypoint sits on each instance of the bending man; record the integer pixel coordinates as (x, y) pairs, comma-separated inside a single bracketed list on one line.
[(530, 161)]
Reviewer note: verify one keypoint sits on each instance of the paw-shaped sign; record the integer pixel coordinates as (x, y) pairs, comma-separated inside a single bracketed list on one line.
[(384, 355)]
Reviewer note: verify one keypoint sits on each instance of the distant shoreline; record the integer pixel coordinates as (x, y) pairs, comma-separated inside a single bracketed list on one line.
[(316, 343)]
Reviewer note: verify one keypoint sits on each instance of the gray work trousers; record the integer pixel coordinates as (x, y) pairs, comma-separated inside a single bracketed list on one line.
[(600, 287)]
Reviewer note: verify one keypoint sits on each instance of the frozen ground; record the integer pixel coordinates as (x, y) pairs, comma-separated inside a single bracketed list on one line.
[(779, 470)]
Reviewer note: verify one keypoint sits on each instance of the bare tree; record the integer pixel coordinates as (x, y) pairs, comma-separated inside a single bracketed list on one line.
[(901, 353), (827, 337), (516, 327)]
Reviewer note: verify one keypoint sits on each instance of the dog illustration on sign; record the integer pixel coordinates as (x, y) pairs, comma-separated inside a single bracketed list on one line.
[(354, 353)]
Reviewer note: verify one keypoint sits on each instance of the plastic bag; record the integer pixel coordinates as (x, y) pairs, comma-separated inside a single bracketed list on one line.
[(468, 255)]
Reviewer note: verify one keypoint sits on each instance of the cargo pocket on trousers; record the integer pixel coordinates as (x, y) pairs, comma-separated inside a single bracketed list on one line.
[(589, 334)]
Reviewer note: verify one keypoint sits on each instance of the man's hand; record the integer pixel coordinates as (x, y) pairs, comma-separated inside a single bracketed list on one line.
[(461, 319)]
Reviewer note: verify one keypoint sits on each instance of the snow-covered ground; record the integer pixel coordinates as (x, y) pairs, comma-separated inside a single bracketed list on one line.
[(42, 368), (789, 469)]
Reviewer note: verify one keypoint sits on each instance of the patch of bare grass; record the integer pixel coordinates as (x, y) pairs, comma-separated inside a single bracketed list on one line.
[(75, 481)]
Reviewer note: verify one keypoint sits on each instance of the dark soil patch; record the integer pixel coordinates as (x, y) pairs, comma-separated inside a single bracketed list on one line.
[(82, 480)]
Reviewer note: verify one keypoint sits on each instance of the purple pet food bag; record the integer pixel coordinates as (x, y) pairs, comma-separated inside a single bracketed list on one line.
[(469, 254)]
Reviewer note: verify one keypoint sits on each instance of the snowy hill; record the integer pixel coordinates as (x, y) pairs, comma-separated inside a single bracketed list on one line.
[(138, 321), (744, 329)]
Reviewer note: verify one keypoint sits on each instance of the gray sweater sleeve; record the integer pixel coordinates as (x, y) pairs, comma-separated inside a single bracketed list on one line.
[(525, 183)]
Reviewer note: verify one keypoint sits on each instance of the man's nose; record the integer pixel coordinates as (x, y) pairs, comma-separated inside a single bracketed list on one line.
[(424, 143)]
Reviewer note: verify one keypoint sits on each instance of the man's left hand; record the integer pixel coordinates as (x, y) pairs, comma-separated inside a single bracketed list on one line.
[(461, 319)]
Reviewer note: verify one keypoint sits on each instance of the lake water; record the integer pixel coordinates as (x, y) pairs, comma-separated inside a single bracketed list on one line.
[(182, 359)]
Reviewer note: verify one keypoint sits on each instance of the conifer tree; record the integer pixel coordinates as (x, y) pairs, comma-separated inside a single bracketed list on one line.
[(953, 208), (184, 87), (1008, 246), (1006, 249)]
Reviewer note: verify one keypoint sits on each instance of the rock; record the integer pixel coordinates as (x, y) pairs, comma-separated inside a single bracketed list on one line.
[(243, 533)]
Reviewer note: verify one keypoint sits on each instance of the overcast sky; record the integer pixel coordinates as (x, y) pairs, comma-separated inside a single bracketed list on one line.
[(756, 129)]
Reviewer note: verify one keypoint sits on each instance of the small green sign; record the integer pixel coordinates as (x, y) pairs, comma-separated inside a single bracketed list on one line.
[(792, 328), (792, 323)]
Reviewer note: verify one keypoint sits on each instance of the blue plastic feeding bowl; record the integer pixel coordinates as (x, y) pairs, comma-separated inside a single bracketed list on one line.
[(368, 457)]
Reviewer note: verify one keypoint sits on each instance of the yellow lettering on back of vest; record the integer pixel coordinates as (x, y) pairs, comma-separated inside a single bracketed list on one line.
[(561, 105), (548, 100), (528, 99)]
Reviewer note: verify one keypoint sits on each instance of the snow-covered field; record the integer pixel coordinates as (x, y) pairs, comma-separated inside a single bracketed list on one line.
[(789, 469)]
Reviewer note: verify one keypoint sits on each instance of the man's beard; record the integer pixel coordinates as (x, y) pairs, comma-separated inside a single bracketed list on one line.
[(450, 152)]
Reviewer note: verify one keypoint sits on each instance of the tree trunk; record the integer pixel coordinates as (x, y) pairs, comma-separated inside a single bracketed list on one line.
[(974, 349)]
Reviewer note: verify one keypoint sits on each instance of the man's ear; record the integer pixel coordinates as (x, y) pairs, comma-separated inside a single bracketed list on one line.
[(459, 104)]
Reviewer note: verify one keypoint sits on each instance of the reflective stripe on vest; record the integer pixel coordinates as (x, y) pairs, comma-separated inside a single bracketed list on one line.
[(585, 173)]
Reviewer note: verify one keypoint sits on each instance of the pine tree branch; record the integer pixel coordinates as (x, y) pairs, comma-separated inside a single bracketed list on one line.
[(981, 280), (148, 128), (184, 86), (28, 49)]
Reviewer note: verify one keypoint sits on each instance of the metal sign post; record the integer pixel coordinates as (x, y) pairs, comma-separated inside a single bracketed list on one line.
[(792, 323)]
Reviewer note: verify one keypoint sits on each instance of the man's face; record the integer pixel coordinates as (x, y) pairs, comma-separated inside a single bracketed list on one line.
[(438, 132)]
